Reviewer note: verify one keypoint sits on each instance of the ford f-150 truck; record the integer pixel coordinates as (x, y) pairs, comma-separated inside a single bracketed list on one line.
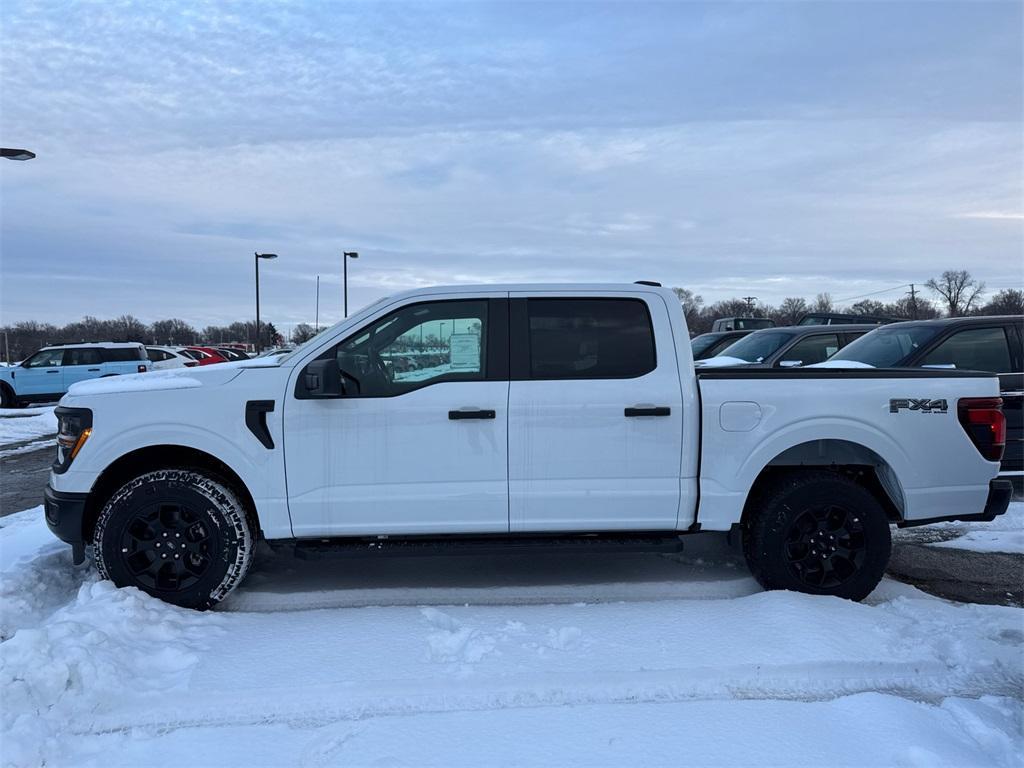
[(530, 414)]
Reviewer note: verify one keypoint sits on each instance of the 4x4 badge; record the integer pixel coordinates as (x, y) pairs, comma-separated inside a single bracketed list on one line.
[(924, 404)]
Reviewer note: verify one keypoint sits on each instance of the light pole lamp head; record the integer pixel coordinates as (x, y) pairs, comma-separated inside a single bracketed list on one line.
[(350, 254), (266, 255), (16, 154)]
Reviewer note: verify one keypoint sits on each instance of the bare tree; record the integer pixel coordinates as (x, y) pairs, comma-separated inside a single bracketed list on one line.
[(302, 333), (692, 304), (789, 311), (173, 331), (911, 309), (958, 290), (1008, 302), (867, 307), (823, 303)]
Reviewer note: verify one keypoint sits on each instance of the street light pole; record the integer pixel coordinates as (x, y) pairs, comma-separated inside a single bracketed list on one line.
[(257, 260), (345, 256)]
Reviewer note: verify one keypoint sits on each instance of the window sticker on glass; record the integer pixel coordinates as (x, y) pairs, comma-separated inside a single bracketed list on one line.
[(465, 351)]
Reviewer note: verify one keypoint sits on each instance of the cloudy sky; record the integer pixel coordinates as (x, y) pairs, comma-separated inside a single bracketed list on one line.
[(764, 148)]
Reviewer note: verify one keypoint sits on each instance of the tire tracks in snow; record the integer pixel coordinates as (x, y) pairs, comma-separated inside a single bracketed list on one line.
[(928, 682)]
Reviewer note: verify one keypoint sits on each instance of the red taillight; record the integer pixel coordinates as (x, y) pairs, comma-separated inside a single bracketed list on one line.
[(142, 369), (983, 420)]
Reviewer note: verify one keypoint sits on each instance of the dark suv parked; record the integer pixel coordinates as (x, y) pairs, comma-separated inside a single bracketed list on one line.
[(787, 347), (973, 343)]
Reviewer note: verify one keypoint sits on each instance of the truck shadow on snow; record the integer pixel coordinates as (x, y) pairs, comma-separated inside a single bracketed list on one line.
[(707, 568)]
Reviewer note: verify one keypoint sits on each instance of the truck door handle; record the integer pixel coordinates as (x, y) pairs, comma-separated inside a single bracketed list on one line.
[(53, 371), (470, 413), (649, 410), (93, 370)]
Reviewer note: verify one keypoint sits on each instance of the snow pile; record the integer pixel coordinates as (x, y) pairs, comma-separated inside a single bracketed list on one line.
[(100, 676), (19, 424), (136, 382), (1004, 534), (720, 361), (845, 364)]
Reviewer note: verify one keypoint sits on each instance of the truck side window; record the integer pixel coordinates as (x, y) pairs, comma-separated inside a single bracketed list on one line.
[(976, 349), (415, 346), (590, 338)]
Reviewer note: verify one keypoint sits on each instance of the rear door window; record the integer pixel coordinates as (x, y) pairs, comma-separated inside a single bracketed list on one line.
[(83, 356), (973, 349), (590, 338)]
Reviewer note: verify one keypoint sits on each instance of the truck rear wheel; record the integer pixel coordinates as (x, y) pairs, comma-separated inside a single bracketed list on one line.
[(181, 535), (820, 533)]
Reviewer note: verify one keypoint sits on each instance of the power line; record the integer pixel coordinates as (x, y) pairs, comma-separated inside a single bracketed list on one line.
[(873, 293)]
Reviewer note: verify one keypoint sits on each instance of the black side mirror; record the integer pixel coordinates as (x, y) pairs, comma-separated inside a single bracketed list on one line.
[(323, 379)]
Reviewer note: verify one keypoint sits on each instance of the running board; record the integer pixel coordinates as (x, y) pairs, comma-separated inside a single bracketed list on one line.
[(669, 543)]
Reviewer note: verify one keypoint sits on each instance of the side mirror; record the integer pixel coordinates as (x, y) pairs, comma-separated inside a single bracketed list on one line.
[(322, 379), (791, 363)]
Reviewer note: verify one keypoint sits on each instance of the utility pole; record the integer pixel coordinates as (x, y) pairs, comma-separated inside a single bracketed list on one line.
[(750, 302), (318, 303), (913, 302)]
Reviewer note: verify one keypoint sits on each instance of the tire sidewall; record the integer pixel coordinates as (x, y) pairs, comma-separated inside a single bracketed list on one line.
[(208, 497), (768, 533)]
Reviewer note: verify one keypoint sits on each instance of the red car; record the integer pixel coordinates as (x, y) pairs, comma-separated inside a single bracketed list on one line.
[(204, 355)]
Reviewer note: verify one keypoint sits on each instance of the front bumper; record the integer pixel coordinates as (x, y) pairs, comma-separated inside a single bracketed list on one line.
[(999, 493), (64, 515)]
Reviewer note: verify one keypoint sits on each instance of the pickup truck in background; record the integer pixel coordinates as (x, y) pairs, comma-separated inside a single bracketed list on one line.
[(566, 415)]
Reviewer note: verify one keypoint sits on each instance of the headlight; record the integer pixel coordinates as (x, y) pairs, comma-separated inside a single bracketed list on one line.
[(74, 425)]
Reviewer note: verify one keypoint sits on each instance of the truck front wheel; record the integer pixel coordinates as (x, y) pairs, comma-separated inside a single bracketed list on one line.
[(181, 535), (818, 532)]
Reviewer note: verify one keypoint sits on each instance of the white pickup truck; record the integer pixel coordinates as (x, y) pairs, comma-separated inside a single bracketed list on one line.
[(568, 415)]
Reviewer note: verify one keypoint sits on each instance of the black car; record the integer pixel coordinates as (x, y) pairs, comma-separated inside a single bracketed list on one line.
[(710, 344), (966, 343), (787, 347)]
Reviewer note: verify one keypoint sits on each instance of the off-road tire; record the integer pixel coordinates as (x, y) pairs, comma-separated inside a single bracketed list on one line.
[(779, 540), (185, 512)]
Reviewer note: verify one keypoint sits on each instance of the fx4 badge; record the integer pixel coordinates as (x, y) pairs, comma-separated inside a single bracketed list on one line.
[(924, 404)]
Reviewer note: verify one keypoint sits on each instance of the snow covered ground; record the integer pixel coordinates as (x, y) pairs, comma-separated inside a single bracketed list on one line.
[(1004, 534), (540, 660), (19, 424)]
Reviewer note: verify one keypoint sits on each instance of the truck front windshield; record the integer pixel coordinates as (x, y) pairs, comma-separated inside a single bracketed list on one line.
[(757, 346), (887, 347)]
